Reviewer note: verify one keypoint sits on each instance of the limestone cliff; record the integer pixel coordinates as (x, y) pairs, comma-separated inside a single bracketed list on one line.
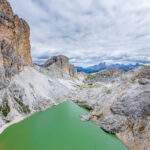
[(14, 42), (119, 102), (61, 62), (23, 88)]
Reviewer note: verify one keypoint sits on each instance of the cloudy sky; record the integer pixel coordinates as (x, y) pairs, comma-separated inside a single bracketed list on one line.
[(88, 31)]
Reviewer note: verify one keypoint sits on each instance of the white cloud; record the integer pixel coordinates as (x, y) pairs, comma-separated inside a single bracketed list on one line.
[(88, 31)]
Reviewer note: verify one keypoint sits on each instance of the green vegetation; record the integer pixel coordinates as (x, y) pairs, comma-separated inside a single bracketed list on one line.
[(7, 121), (147, 67), (90, 77), (108, 91), (81, 87), (23, 108), (4, 108)]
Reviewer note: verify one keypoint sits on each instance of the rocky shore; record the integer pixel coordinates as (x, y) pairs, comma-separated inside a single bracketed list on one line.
[(119, 102)]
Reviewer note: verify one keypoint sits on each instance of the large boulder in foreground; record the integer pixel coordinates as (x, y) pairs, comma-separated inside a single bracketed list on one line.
[(61, 62)]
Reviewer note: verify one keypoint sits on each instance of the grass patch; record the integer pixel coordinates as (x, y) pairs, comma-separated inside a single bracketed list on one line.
[(90, 77), (81, 87), (4, 108), (24, 108), (7, 121), (147, 68), (108, 91)]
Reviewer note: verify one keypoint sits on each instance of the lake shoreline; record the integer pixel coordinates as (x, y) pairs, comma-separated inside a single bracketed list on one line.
[(58, 128)]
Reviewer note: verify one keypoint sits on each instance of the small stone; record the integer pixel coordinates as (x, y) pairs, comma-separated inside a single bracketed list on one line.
[(143, 81), (85, 117)]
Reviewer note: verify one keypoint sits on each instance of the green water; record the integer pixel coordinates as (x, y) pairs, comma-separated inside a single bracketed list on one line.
[(58, 128)]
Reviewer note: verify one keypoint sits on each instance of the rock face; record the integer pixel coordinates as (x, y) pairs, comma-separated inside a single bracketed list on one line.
[(14, 42), (134, 105), (121, 106), (14, 55), (61, 62), (107, 75), (119, 102), (6, 8), (25, 89)]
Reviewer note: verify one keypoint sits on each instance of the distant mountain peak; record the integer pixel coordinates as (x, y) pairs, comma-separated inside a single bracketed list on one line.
[(103, 65)]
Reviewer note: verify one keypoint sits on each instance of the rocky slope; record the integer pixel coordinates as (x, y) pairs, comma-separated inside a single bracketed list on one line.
[(62, 66), (119, 102), (121, 106), (25, 89)]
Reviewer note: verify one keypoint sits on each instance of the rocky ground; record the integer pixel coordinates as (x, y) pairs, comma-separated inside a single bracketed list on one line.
[(119, 102), (120, 106)]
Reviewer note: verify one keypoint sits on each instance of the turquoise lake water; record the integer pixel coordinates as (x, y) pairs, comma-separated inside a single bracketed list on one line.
[(58, 128)]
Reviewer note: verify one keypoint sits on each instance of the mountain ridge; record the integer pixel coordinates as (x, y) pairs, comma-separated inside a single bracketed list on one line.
[(102, 66), (118, 101)]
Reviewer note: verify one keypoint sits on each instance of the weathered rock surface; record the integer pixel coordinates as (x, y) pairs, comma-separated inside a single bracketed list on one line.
[(25, 89), (5, 7), (118, 102), (121, 106), (14, 55), (62, 64), (107, 75), (60, 61), (31, 91), (14, 42)]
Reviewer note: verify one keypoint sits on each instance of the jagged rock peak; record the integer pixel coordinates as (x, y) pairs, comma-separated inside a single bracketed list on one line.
[(62, 62), (14, 41), (14, 44)]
